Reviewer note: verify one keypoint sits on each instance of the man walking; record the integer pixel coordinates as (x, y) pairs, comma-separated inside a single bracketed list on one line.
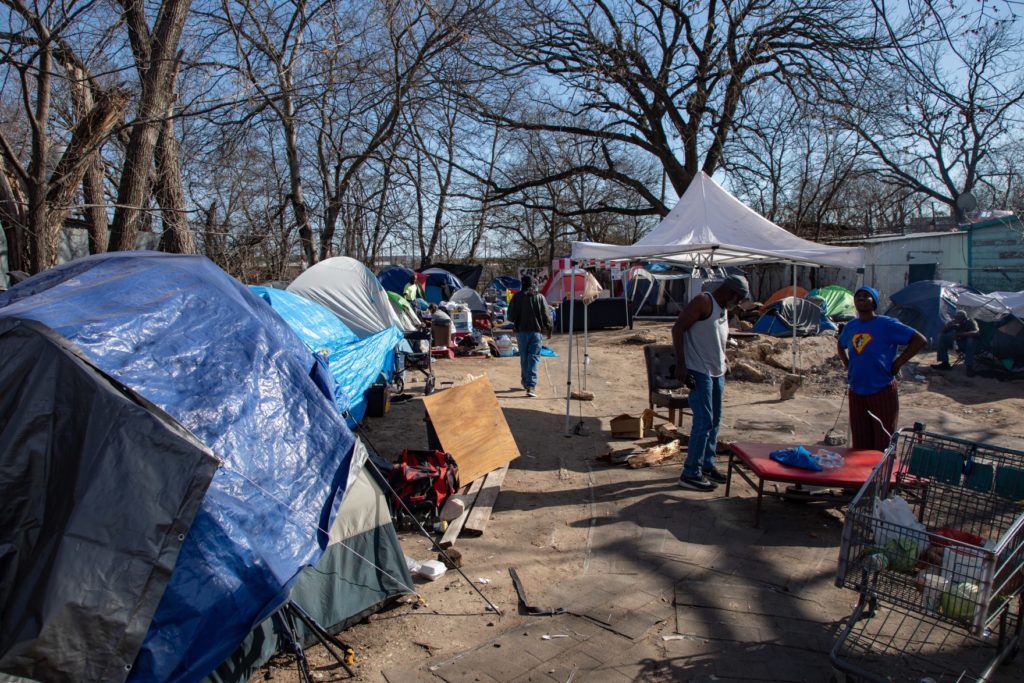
[(528, 313), (868, 346), (699, 336)]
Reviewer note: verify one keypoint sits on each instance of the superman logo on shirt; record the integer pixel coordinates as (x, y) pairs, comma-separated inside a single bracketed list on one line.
[(861, 340)]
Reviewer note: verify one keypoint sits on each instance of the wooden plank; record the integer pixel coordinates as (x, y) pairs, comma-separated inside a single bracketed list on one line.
[(481, 512), (469, 496), (470, 425)]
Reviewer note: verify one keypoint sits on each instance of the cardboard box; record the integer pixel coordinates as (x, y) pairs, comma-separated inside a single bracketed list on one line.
[(631, 427)]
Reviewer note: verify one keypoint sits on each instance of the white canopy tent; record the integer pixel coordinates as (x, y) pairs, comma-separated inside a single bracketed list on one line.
[(709, 224), (710, 227)]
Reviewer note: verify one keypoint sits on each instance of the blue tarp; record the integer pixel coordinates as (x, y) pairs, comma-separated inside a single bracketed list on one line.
[(353, 363), (186, 336)]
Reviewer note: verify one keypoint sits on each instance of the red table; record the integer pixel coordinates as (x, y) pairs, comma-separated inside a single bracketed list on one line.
[(856, 470)]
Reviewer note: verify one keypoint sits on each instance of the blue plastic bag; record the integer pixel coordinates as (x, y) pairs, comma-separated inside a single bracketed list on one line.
[(796, 457)]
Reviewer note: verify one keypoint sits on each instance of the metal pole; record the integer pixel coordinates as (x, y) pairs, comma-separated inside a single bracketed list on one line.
[(794, 321), (568, 360), (586, 340)]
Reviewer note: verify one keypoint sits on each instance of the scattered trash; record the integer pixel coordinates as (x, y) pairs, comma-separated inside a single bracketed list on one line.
[(553, 636), (483, 581), (431, 569)]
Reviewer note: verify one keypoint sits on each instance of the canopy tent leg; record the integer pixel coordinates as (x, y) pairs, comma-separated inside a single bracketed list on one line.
[(794, 326), (624, 276), (586, 342), (568, 360)]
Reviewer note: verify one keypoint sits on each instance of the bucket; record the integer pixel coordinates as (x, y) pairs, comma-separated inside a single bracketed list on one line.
[(378, 400), (505, 347), (442, 333)]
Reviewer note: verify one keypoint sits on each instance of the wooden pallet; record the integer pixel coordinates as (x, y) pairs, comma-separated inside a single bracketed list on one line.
[(479, 497)]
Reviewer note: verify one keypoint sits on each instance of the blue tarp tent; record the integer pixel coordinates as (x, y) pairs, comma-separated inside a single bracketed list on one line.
[(353, 363), (927, 306), (201, 346)]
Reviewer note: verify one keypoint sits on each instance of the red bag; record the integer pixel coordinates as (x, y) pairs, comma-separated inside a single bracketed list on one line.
[(423, 480)]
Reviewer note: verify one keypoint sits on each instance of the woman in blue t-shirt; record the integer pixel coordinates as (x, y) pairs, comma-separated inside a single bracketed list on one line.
[(868, 346)]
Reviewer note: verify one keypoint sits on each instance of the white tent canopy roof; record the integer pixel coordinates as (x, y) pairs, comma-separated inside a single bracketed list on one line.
[(710, 226)]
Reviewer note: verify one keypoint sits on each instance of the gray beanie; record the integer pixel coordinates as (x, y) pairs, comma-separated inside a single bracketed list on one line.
[(736, 284)]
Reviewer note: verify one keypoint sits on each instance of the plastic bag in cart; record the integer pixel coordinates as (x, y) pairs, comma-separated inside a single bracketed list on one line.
[(897, 529)]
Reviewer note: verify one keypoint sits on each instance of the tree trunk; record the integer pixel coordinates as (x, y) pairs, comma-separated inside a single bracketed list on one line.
[(177, 237), (155, 59), (91, 131), (13, 222)]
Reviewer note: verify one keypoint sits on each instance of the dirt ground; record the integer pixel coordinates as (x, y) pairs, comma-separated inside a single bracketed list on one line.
[(559, 502)]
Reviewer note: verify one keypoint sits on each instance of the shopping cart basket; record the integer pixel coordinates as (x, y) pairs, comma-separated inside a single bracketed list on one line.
[(936, 553)]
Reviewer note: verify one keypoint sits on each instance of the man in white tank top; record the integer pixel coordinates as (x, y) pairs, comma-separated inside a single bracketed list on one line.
[(699, 336)]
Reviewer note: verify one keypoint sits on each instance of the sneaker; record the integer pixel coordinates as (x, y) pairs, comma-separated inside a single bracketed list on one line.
[(713, 474), (531, 392), (700, 483), (942, 366)]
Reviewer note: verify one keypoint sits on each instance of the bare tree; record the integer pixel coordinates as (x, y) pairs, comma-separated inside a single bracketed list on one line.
[(156, 60), (40, 180), (936, 109), (665, 79)]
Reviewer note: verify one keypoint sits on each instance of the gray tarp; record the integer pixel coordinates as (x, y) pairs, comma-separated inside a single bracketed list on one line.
[(98, 489)]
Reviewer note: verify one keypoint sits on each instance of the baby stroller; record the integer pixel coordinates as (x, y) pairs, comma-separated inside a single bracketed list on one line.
[(418, 359)]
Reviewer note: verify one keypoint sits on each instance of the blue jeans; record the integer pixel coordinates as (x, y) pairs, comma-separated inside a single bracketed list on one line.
[(529, 357), (706, 404), (948, 340)]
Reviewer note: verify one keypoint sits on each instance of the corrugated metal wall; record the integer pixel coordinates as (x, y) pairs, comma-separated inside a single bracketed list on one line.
[(997, 255)]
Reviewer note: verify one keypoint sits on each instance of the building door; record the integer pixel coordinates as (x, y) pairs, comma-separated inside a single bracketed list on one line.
[(920, 271)]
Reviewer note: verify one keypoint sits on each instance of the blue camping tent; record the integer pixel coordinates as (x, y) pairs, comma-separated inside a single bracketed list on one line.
[(783, 315), (395, 278), (438, 280), (202, 347), (503, 283), (927, 306), (353, 363)]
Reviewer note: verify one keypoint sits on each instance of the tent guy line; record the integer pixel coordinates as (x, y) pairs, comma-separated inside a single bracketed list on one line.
[(325, 532)]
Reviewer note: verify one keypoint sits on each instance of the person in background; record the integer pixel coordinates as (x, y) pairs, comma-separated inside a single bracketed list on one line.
[(962, 331), (699, 336), (869, 346), (412, 289), (528, 313)]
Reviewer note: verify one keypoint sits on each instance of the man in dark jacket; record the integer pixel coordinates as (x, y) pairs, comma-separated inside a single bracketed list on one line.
[(528, 313)]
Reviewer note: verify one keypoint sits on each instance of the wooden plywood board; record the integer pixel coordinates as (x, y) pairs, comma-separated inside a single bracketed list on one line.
[(469, 496), (484, 503), (470, 425)]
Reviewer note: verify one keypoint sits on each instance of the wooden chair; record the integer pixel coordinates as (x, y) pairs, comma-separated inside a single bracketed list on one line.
[(663, 389)]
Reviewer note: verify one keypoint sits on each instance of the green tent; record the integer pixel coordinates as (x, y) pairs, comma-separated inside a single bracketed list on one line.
[(838, 301)]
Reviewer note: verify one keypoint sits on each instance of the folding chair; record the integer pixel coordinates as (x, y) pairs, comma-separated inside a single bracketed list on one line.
[(663, 389)]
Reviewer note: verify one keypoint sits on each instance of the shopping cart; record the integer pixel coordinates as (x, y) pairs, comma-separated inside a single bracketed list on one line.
[(936, 553)]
